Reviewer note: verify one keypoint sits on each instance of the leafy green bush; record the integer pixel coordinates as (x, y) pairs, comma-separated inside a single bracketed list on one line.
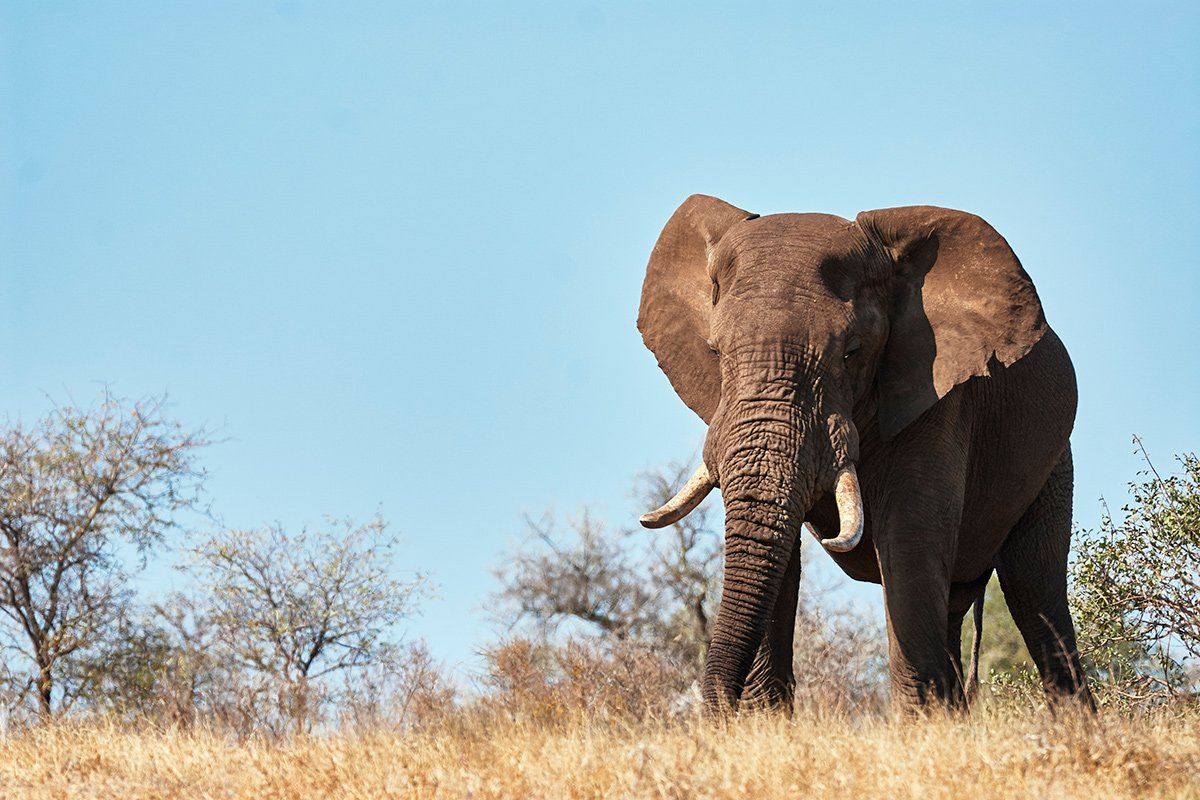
[(1136, 591)]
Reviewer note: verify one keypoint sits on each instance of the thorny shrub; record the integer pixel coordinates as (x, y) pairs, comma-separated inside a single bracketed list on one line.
[(543, 683)]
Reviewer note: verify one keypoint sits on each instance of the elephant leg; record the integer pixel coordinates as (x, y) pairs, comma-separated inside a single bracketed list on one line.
[(916, 545), (771, 682), (916, 541), (1033, 574), (916, 595)]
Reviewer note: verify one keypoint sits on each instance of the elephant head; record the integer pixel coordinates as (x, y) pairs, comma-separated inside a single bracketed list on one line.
[(795, 336)]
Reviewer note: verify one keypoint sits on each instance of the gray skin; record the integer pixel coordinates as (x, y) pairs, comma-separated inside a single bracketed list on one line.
[(911, 344)]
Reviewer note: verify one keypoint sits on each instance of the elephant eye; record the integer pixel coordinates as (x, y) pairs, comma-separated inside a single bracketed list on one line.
[(716, 292), (852, 348)]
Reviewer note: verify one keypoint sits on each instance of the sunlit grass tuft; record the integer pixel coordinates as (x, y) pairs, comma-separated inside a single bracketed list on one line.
[(993, 755)]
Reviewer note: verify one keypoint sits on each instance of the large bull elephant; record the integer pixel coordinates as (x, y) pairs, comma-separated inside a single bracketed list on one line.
[(891, 383)]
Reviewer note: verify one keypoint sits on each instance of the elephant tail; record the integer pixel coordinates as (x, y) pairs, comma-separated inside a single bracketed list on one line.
[(972, 687)]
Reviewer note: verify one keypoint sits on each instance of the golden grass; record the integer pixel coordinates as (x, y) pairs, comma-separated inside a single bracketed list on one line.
[(1031, 756)]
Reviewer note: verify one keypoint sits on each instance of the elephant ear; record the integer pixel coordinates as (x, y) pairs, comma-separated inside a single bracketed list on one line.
[(961, 303), (676, 307)]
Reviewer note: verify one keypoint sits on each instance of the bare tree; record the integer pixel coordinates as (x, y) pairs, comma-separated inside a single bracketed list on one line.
[(294, 608), (840, 655), (685, 566), (406, 688), (164, 662), (655, 587), (74, 487), (196, 680), (584, 575)]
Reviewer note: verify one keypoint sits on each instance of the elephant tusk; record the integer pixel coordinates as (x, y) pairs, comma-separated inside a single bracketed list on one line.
[(686, 499), (850, 512)]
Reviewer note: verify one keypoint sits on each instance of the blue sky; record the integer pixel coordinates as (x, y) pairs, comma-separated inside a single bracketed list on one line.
[(393, 252)]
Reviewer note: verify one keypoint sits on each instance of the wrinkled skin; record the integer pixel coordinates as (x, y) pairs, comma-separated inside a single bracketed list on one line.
[(910, 344)]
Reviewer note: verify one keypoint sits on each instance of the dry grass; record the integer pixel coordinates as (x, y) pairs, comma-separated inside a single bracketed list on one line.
[(1032, 755)]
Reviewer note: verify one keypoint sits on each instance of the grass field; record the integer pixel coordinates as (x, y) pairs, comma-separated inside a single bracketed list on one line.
[(1029, 756)]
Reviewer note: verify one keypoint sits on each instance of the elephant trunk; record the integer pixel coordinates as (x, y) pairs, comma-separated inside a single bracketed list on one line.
[(768, 481), (753, 576)]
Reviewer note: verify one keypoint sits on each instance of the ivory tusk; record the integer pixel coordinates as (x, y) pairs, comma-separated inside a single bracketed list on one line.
[(686, 499), (850, 512)]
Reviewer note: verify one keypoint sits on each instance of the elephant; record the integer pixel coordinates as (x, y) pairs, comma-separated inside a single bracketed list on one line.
[(889, 383)]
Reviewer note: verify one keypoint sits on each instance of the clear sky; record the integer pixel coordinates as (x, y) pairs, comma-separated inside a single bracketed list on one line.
[(393, 251)]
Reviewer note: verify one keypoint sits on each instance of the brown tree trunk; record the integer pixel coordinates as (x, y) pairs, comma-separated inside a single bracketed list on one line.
[(45, 689)]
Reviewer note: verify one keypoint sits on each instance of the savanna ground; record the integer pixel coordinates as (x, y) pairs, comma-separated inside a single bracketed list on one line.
[(993, 754)]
